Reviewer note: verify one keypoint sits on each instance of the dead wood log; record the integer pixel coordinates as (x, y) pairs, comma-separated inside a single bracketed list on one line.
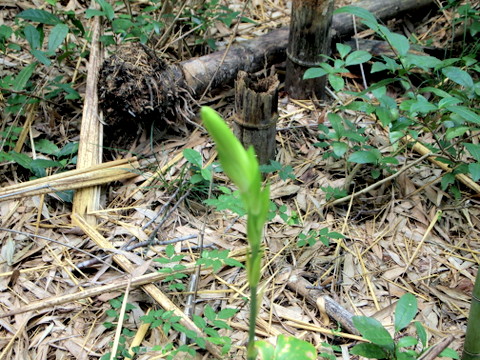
[(309, 40), (255, 119), (137, 86)]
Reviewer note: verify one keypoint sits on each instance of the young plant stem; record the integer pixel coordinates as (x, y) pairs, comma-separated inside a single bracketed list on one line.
[(251, 352)]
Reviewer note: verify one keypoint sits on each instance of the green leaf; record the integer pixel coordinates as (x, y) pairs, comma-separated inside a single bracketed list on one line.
[(339, 148), (473, 149), (371, 329), (474, 170), (57, 35), (107, 8), (169, 250), (33, 36), (193, 157), (447, 180), (23, 77), (368, 350), (358, 11), (70, 148), (357, 57), (424, 62), (42, 57), (336, 81), (46, 147), (209, 313), (465, 113), (399, 42), (40, 16), (89, 13), (291, 348), (450, 353), (422, 105), (458, 76), (265, 350), (365, 157), (407, 341), (448, 101), (405, 311), (421, 333), (227, 313), (314, 73), (343, 49)]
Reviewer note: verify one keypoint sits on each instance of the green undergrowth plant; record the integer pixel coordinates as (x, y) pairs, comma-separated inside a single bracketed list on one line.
[(242, 168), (438, 107), (401, 346), (313, 236)]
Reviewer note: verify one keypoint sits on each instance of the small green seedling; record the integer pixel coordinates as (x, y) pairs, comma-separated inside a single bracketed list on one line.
[(383, 346), (242, 167)]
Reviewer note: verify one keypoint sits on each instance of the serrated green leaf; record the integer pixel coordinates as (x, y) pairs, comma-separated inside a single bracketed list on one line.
[(57, 36), (405, 311), (447, 180), (357, 57), (371, 329), (23, 76), (21, 159), (199, 321), (40, 16), (169, 250), (209, 313), (371, 351)]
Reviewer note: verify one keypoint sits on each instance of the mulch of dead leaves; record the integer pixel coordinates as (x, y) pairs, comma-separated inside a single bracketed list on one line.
[(54, 297)]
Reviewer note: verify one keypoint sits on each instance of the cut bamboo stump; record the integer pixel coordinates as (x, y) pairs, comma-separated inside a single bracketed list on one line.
[(308, 42), (256, 104)]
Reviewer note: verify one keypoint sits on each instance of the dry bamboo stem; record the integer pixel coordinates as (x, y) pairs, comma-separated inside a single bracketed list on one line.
[(91, 132)]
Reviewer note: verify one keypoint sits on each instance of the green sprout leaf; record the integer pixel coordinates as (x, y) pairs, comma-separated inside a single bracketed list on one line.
[(405, 311), (371, 329)]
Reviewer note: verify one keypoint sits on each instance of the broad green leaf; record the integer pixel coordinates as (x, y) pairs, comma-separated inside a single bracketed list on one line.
[(343, 49), (23, 77), (405, 311), (291, 348), (57, 35), (422, 105), (458, 76), (456, 131), (399, 42), (421, 61), (209, 313), (465, 113), (70, 148), (360, 12), (474, 150), (357, 57), (339, 148), (107, 8), (46, 147), (226, 313), (447, 180), (265, 350), (41, 57), (407, 341), (371, 329), (378, 66), (371, 351), (421, 333), (336, 81), (33, 36), (193, 157), (474, 170), (337, 125), (40, 16), (448, 101), (449, 353), (364, 157), (89, 13), (314, 73)]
